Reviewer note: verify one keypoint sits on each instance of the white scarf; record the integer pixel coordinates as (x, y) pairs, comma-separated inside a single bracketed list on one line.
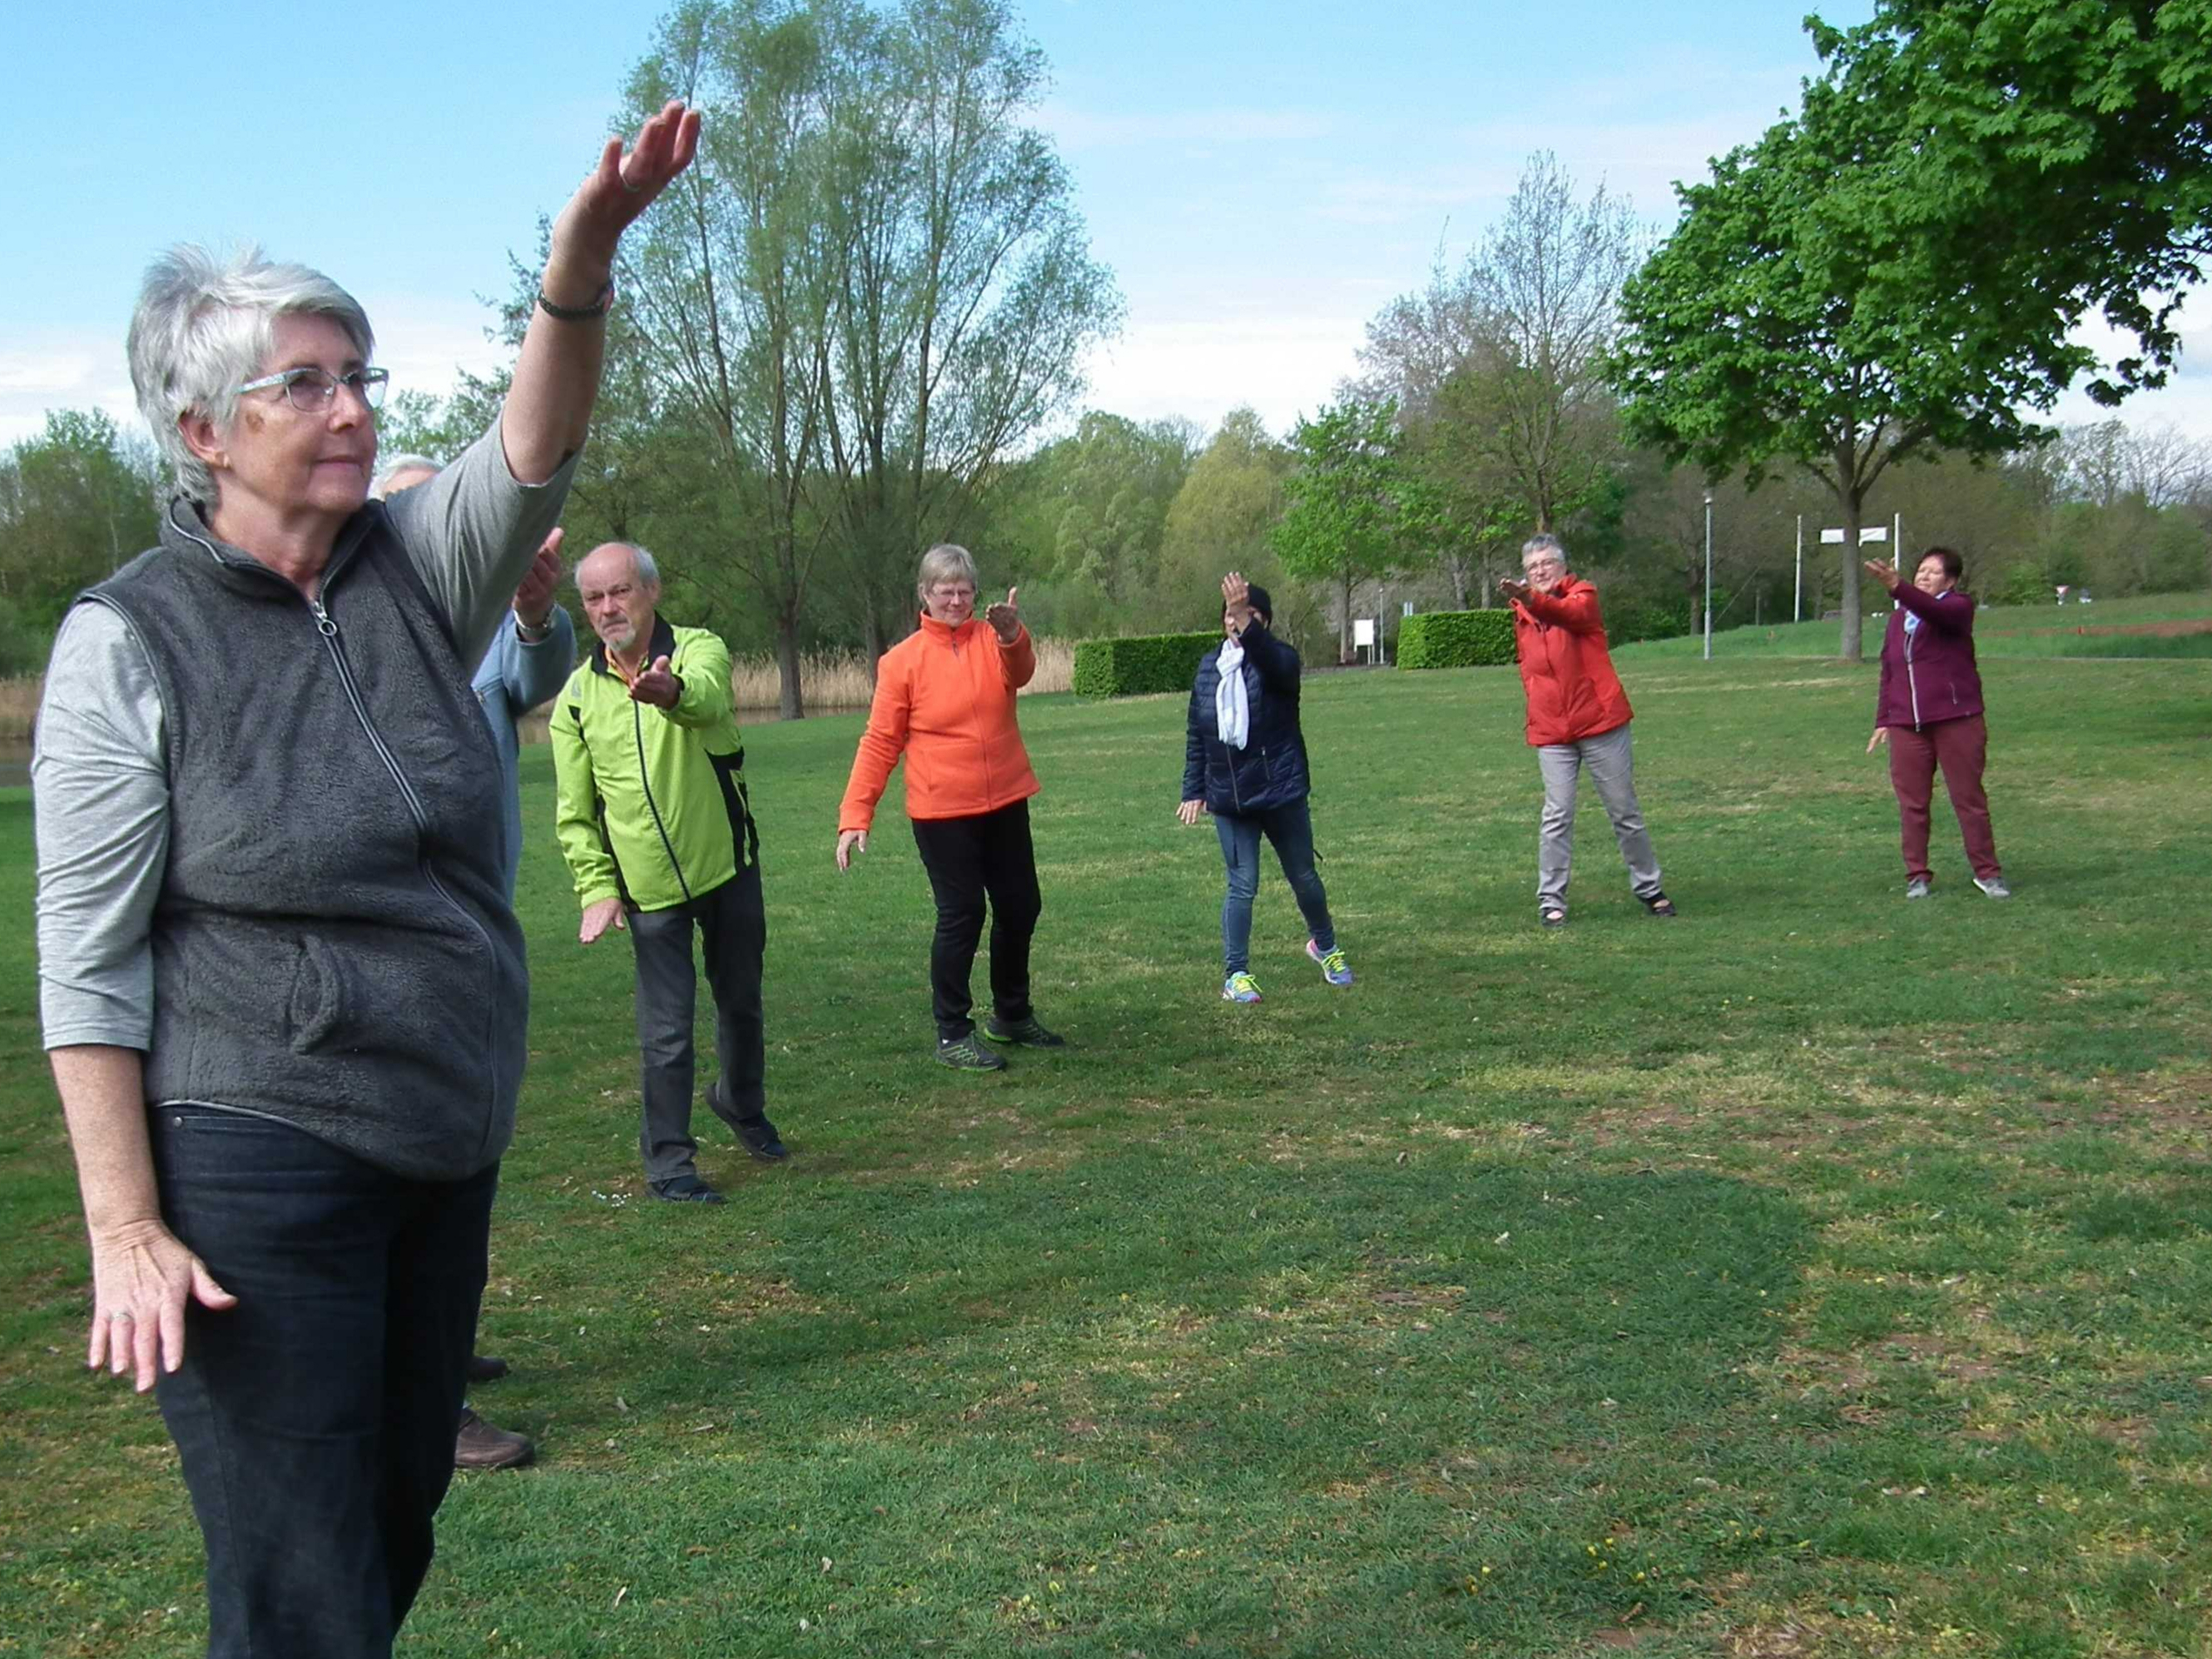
[(1232, 713)]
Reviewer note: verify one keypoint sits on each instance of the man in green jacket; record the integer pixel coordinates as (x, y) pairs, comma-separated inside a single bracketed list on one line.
[(657, 827)]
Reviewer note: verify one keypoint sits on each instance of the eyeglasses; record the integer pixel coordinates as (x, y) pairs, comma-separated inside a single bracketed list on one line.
[(310, 390)]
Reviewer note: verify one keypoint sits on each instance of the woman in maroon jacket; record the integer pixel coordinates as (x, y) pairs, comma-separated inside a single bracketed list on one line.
[(1929, 711)]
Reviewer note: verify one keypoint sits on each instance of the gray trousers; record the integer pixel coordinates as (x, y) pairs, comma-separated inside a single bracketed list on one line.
[(732, 932), (1611, 762)]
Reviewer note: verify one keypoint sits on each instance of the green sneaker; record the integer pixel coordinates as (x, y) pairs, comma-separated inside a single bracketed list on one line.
[(966, 1054), (1333, 968), (1240, 987), (1027, 1033)]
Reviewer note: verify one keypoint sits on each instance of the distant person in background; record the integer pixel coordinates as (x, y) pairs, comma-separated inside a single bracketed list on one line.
[(657, 825), (1244, 762), (1578, 717), (1929, 712), (945, 700), (530, 656)]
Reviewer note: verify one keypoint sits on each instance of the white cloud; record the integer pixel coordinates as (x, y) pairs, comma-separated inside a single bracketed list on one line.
[(1283, 366)]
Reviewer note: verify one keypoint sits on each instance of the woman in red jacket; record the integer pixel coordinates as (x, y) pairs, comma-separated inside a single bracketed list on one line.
[(1929, 711), (945, 700), (1577, 717)]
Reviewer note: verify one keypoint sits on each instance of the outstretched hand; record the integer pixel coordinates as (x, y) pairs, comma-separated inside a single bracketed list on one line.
[(1882, 571), (1513, 588), (1005, 619), (598, 918), (533, 600), (626, 181), (656, 685), (1237, 602)]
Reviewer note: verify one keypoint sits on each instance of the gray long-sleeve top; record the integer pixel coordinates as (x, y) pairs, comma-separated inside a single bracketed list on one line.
[(99, 767)]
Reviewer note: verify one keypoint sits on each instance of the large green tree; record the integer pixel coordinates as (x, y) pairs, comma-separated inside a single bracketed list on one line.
[(1341, 527), (1773, 328), (2059, 156), (76, 502)]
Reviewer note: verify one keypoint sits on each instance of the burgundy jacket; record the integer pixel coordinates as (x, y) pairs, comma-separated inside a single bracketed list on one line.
[(1559, 637), (1928, 672)]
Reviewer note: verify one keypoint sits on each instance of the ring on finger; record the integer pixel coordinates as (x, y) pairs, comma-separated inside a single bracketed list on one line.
[(121, 1316)]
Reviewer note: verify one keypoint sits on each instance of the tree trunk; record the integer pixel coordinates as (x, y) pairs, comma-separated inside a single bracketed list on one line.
[(1456, 568), (791, 696), (1344, 623)]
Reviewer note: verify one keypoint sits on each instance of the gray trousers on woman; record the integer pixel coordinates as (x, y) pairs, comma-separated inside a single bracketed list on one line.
[(1611, 762)]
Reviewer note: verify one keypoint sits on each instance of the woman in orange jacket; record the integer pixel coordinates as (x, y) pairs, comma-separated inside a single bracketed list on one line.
[(945, 700)]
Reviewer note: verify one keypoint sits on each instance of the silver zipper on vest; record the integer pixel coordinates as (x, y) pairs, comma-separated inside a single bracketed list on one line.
[(326, 625)]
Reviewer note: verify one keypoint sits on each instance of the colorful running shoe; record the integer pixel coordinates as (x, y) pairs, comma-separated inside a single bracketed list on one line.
[(1333, 968), (1240, 987)]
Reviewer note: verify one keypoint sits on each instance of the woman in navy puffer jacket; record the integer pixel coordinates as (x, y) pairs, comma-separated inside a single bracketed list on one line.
[(1244, 762)]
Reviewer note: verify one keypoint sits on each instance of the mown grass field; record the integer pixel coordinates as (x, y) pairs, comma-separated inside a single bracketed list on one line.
[(2021, 630), (1817, 1274)]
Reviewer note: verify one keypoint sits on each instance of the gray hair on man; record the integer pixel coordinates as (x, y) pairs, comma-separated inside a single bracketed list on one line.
[(649, 572), (1543, 542), (946, 562), (396, 467), (204, 326)]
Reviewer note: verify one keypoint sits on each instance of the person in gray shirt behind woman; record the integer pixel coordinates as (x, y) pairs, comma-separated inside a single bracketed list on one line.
[(281, 984), (530, 657)]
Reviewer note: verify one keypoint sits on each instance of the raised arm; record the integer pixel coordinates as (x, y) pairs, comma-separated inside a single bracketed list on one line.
[(1576, 611), (556, 377)]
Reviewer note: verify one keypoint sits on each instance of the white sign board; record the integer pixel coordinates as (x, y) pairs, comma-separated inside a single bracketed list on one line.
[(1874, 532), (1363, 630), (1833, 537)]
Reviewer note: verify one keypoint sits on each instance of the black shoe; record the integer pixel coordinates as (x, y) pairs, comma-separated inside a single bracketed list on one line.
[(1551, 915), (757, 1133), (761, 1139), (1658, 905), (483, 1368), (1027, 1033), (685, 1189), (966, 1054)]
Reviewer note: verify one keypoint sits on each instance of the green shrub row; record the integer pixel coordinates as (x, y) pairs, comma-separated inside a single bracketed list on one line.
[(1455, 639), (1131, 667), (1633, 620)]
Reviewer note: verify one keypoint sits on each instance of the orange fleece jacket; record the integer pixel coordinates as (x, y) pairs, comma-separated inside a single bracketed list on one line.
[(945, 699)]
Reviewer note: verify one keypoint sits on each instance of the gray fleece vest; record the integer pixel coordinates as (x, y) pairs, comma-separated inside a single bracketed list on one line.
[(333, 944)]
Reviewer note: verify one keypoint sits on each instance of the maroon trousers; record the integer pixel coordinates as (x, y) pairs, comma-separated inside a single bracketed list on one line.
[(1960, 747)]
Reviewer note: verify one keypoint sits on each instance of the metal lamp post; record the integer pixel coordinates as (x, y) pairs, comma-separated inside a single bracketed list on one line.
[(1709, 575)]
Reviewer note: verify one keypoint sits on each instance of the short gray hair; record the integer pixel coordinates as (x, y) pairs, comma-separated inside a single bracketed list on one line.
[(941, 563), (648, 570), (395, 466), (1543, 542), (204, 325)]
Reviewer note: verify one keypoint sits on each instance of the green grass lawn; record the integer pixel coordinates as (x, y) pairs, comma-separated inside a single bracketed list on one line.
[(2034, 630), (1817, 1274)]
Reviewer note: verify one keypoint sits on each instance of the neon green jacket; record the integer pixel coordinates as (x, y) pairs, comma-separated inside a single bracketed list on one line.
[(651, 802)]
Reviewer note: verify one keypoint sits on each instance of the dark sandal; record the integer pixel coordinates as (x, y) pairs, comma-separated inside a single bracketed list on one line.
[(1659, 905), (1551, 915)]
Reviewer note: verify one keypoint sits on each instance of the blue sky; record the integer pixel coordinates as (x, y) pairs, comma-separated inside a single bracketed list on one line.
[(1262, 178)]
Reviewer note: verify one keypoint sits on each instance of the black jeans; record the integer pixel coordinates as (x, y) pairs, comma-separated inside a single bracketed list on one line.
[(733, 931), (968, 859), (315, 1420)]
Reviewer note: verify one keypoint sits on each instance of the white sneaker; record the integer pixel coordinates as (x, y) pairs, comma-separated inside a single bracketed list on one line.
[(1995, 887)]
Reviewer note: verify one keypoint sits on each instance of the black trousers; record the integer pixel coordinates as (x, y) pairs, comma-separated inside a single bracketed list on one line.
[(968, 860), (733, 933), (315, 1420)]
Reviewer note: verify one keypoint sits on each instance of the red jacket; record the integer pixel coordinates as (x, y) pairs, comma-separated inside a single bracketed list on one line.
[(945, 699), (1559, 637)]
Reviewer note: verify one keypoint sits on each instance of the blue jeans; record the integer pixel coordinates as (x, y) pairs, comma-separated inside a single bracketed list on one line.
[(315, 1420), (1291, 828)]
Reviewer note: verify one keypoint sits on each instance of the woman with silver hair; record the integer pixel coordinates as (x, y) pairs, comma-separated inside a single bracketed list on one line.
[(945, 699), (282, 984)]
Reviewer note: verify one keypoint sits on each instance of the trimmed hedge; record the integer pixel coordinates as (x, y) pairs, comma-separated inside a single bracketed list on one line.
[(1629, 621), (1131, 667), (1455, 639)]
